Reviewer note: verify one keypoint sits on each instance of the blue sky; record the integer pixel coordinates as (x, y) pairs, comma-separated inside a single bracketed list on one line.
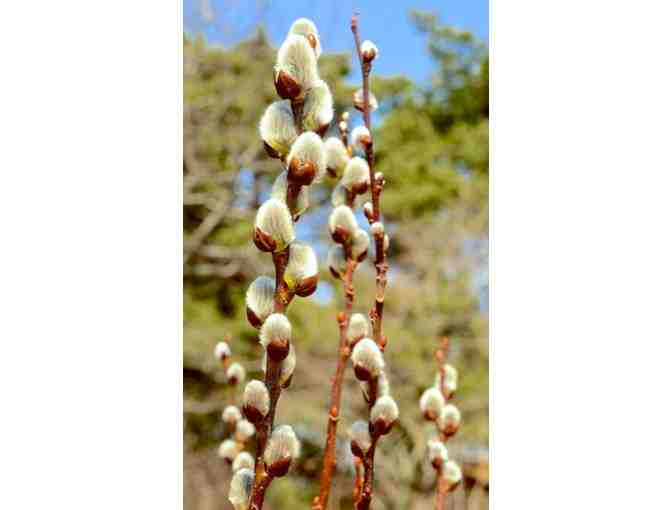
[(402, 49)]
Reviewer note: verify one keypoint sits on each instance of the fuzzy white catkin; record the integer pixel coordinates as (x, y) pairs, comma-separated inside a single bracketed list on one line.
[(288, 365), (279, 192), (358, 135), (298, 59), (449, 379), (360, 243), (231, 414), (240, 489), (436, 451), (244, 430), (235, 372), (336, 260), (432, 401), (282, 445), (451, 472), (276, 325), (368, 46), (243, 461), (222, 349), (338, 195), (309, 148), (257, 397), (367, 354), (450, 416), (359, 327), (356, 173), (344, 217), (385, 409), (336, 153), (358, 99), (302, 263), (318, 108), (228, 450), (260, 297), (359, 434), (277, 128), (305, 27), (275, 220)]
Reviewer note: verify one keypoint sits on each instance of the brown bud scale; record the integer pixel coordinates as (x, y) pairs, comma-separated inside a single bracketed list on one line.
[(278, 348), (303, 174), (252, 414), (252, 318), (362, 373), (279, 468), (340, 235), (263, 241), (306, 287), (271, 151), (286, 86)]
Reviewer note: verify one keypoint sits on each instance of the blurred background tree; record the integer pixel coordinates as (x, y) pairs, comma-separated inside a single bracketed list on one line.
[(432, 145)]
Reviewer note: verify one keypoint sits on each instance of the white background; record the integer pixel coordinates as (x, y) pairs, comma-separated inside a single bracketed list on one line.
[(90, 287)]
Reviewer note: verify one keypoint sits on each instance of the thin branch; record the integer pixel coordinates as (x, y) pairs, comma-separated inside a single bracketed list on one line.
[(376, 186), (283, 296), (376, 313), (364, 501), (259, 492), (329, 461), (359, 479)]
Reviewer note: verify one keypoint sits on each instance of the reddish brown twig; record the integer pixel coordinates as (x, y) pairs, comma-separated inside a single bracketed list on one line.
[(329, 460), (364, 501), (366, 492), (376, 186), (259, 492), (376, 313), (359, 479), (283, 296)]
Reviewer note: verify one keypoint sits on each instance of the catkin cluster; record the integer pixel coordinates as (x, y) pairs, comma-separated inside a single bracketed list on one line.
[(291, 130), (241, 430), (436, 407)]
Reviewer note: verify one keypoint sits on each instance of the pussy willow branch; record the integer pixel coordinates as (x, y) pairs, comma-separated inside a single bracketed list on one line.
[(329, 460), (376, 186), (376, 312), (283, 296), (442, 486)]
